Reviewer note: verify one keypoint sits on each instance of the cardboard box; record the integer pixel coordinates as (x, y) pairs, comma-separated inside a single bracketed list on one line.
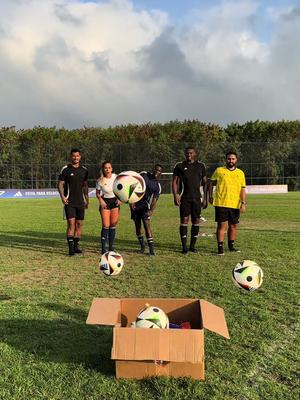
[(140, 353)]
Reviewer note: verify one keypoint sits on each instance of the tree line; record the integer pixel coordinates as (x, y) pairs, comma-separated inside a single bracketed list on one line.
[(268, 151)]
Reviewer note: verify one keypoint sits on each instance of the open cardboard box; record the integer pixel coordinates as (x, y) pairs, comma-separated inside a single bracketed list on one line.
[(140, 353)]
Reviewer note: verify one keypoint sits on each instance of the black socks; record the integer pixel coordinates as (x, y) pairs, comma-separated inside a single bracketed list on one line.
[(183, 229), (70, 240)]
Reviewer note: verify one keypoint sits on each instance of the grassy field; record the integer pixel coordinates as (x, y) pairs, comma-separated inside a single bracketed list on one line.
[(47, 351)]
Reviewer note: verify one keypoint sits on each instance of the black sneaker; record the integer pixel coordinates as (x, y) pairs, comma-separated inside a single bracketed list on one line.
[(78, 251), (220, 252), (192, 250), (142, 250), (184, 252)]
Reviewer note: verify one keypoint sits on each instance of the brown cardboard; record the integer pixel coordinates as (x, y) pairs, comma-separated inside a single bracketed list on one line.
[(154, 352)]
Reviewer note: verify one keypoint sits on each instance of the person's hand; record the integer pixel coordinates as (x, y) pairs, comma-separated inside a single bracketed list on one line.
[(132, 206), (118, 202), (204, 204), (86, 204), (177, 199), (64, 200), (149, 213), (211, 199), (243, 208), (103, 204)]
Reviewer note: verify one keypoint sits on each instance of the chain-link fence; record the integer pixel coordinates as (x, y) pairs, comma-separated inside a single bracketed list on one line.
[(263, 163)]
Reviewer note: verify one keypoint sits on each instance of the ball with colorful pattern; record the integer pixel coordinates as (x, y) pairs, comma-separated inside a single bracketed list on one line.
[(129, 187), (152, 317), (247, 275), (111, 263)]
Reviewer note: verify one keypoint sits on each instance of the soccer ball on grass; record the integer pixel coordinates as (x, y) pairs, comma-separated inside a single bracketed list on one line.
[(111, 263), (247, 275)]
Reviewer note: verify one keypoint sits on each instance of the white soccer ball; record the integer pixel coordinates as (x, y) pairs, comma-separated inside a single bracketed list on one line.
[(151, 317), (111, 263), (129, 187), (247, 275)]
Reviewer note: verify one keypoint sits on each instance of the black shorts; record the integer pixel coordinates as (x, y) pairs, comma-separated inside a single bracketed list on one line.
[(190, 207), (140, 214), (223, 214), (111, 203), (74, 212)]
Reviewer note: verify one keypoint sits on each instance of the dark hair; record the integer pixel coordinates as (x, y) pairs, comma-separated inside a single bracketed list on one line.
[(158, 165), (190, 148), (231, 152), (75, 150), (103, 165)]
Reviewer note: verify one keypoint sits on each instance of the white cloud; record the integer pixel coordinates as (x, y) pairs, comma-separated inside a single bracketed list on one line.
[(70, 63)]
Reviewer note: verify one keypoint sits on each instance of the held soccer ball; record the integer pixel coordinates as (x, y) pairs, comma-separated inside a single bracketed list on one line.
[(247, 275), (151, 317), (111, 263), (129, 187)]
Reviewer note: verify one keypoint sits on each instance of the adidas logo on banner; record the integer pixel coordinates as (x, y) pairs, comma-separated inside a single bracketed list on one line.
[(2, 192), (18, 194)]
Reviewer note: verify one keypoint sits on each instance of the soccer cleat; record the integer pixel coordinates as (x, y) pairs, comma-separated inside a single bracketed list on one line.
[(184, 252), (192, 250), (142, 250), (78, 251), (220, 252), (152, 254)]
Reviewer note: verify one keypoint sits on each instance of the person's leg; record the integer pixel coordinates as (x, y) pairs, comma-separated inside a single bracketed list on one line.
[(148, 232), (195, 217), (183, 230), (185, 211), (70, 235), (233, 221), (77, 235), (135, 216), (232, 235), (221, 217), (194, 233), (70, 216), (221, 231), (78, 228), (105, 218), (114, 217)]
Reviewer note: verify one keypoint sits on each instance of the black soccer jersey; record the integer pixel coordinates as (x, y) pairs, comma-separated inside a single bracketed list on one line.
[(191, 177), (74, 179), (153, 190)]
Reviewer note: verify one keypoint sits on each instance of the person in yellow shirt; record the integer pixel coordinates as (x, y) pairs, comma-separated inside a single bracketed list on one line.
[(229, 200)]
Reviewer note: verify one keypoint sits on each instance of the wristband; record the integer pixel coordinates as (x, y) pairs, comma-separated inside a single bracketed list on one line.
[(243, 202)]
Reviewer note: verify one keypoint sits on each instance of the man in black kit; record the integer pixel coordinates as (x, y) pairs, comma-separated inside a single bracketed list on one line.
[(143, 209), (188, 177), (73, 191)]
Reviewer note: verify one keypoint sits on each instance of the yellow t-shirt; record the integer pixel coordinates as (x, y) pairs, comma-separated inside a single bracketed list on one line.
[(229, 185)]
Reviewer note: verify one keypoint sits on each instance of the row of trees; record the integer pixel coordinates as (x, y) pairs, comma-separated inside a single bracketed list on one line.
[(268, 151)]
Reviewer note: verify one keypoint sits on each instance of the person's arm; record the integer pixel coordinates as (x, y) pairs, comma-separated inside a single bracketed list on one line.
[(243, 199), (100, 199), (61, 187), (205, 192), (152, 206), (86, 193), (210, 187), (176, 196)]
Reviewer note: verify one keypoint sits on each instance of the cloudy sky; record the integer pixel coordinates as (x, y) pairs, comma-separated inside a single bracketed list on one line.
[(97, 63)]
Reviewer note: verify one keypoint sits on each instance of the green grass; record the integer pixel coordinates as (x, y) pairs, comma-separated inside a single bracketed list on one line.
[(47, 351)]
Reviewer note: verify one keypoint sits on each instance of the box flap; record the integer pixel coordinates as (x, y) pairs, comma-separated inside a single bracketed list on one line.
[(213, 318), (180, 345), (104, 312)]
